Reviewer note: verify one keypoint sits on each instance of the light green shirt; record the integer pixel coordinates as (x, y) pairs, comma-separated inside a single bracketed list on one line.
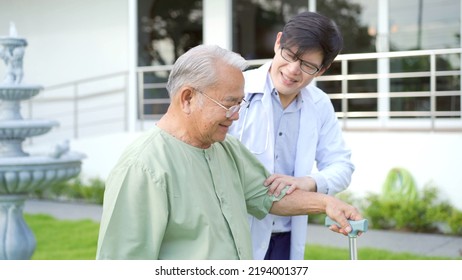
[(166, 199)]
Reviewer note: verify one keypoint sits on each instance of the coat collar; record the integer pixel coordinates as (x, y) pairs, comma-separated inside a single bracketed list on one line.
[(258, 79)]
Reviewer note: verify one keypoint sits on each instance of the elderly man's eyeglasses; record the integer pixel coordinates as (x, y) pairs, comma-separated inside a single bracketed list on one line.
[(230, 111), (306, 67)]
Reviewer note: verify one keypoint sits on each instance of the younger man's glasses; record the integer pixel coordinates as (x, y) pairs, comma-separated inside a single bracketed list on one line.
[(306, 67)]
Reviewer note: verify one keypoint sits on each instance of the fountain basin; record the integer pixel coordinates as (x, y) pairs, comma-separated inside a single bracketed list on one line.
[(14, 129), (21, 175), (13, 41), (18, 92)]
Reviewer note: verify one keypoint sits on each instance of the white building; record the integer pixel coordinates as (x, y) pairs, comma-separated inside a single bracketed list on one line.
[(95, 60)]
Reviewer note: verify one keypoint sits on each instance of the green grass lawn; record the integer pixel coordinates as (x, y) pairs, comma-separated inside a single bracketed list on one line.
[(76, 240), (63, 240), (315, 252)]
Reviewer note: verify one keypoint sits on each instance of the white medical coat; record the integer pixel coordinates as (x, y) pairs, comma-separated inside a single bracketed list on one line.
[(320, 142)]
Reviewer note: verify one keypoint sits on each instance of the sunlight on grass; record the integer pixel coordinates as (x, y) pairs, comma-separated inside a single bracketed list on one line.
[(63, 240), (315, 252)]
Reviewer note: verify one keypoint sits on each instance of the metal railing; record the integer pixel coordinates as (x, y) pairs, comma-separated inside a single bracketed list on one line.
[(99, 105), (430, 118), (85, 107), (379, 115)]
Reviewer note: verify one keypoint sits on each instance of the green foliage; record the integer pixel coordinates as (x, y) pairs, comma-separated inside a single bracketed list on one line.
[(317, 219), (455, 222), (402, 206), (399, 186), (378, 212), (74, 190)]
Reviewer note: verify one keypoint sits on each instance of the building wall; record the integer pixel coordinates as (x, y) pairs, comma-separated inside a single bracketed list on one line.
[(68, 40), (429, 156)]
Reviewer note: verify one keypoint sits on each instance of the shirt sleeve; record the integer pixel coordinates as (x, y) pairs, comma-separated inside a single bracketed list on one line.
[(135, 214), (332, 156), (253, 174)]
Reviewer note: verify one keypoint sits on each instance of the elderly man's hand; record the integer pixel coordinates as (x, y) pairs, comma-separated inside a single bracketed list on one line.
[(341, 212)]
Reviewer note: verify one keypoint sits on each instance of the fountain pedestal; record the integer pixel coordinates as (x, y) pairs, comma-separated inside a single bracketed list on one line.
[(18, 241), (21, 173)]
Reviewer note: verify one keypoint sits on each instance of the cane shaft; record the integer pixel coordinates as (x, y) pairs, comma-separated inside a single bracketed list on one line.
[(353, 250)]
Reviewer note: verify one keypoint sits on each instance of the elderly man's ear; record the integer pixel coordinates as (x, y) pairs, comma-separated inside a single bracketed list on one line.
[(185, 98)]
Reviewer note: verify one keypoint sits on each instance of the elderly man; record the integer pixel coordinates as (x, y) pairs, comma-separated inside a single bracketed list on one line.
[(183, 190)]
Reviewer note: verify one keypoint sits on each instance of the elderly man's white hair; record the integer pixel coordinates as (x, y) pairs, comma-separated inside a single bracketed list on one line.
[(196, 67)]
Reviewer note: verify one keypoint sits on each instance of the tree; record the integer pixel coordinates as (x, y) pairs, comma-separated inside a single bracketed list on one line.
[(347, 16), (177, 21)]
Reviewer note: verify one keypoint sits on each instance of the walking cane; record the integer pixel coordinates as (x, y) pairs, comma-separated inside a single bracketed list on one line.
[(356, 226)]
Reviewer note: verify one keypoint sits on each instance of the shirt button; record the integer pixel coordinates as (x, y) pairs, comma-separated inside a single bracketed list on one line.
[(280, 133)]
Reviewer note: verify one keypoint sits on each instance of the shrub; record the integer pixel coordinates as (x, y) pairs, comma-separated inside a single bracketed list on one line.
[(455, 222), (74, 190), (400, 186), (401, 206)]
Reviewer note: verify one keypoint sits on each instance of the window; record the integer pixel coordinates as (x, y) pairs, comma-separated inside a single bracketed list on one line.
[(410, 87), (166, 29), (357, 22), (257, 22), (424, 24)]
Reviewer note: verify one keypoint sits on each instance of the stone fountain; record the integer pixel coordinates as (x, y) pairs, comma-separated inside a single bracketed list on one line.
[(21, 173)]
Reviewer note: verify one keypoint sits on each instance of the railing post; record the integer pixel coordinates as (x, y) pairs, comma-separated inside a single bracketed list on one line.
[(383, 89), (76, 111), (345, 92), (141, 98), (432, 90), (126, 104)]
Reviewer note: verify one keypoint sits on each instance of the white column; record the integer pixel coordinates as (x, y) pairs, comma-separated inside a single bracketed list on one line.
[(383, 64), (218, 20), (132, 105), (460, 46), (312, 5)]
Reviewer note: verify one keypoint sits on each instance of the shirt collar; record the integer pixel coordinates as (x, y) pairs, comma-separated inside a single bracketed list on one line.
[(269, 87)]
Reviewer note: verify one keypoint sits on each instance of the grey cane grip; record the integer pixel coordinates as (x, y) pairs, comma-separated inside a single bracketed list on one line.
[(356, 226)]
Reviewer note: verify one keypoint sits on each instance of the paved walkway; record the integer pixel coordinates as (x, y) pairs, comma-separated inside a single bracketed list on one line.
[(64, 210), (417, 243)]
